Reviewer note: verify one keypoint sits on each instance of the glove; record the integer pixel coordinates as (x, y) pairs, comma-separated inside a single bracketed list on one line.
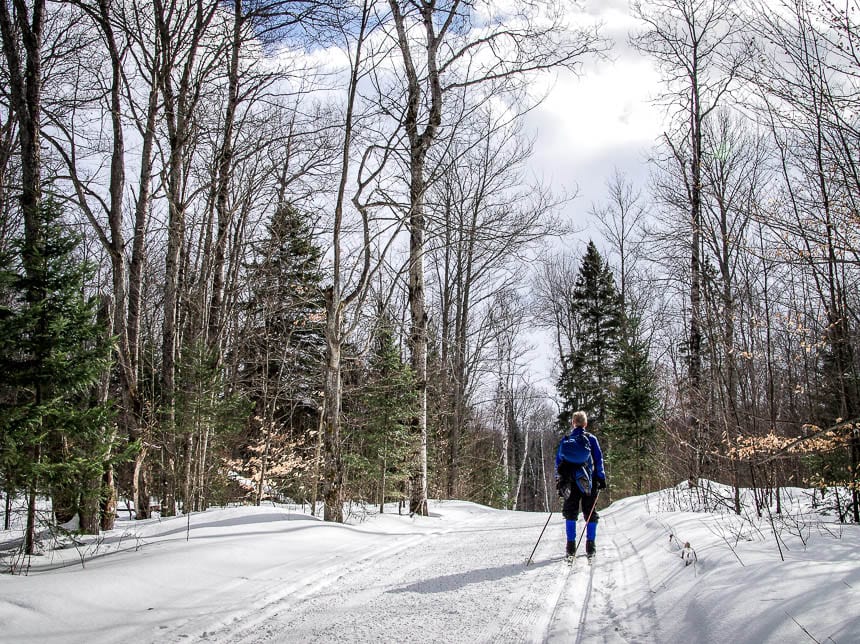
[(601, 483), (563, 488)]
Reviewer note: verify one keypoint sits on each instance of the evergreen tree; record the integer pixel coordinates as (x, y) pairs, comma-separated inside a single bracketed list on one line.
[(631, 424), (207, 419), (384, 444), (283, 345), (587, 372), (838, 398), (54, 438)]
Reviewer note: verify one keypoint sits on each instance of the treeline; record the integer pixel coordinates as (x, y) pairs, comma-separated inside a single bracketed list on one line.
[(298, 231), (290, 249), (736, 272)]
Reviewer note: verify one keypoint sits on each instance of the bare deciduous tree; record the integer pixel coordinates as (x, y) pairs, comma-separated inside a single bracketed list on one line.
[(441, 55)]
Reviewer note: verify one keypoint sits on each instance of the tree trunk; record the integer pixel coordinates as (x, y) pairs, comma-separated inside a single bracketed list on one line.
[(179, 101), (264, 462), (25, 92), (418, 333), (224, 176), (419, 145), (7, 515), (203, 449), (332, 483), (187, 475), (521, 472), (24, 78), (89, 512), (336, 303), (30, 529), (139, 486), (318, 452), (132, 415), (107, 506)]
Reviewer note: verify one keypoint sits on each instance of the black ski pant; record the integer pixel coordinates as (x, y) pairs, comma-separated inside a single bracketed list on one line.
[(577, 500)]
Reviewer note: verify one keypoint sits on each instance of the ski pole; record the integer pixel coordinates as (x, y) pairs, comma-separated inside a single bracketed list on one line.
[(540, 537), (582, 534)]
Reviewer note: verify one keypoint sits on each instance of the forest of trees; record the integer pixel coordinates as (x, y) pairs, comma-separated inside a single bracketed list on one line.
[(289, 249)]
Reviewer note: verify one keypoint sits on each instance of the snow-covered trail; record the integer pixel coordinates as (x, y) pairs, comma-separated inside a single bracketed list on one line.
[(275, 574), (466, 583), (607, 599)]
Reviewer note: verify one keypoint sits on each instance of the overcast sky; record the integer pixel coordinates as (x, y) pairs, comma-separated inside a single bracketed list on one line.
[(589, 125), (604, 118)]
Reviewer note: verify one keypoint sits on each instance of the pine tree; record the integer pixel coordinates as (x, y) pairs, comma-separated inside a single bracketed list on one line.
[(283, 345), (53, 437), (631, 424), (587, 372), (383, 443)]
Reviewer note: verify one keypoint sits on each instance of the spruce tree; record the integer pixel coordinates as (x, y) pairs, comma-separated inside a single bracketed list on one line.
[(587, 373), (383, 443), (283, 346), (287, 304), (54, 438), (631, 423)]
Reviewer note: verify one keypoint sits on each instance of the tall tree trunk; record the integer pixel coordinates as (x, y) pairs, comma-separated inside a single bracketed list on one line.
[(132, 415), (179, 101), (332, 483), (336, 303), (224, 176), (419, 144), (418, 332), (695, 357)]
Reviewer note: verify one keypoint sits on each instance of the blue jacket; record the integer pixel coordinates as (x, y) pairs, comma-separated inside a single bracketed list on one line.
[(596, 454)]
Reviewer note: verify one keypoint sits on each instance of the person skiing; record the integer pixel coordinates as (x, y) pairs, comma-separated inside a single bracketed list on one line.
[(580, 475)]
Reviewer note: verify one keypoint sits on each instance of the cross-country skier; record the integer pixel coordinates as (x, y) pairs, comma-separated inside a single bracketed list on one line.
[(579, 470)]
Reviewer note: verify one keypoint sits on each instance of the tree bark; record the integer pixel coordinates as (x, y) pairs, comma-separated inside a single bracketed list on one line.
[(419, 141), (224, 176)]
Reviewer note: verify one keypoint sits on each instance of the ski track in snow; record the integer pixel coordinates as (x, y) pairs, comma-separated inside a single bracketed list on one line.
[(273, 575), (469, 582)]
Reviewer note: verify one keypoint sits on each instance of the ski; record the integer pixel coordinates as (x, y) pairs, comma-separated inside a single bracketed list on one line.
[(570, 560)]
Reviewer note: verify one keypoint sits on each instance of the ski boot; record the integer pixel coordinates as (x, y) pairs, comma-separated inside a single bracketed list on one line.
[(590, 548)]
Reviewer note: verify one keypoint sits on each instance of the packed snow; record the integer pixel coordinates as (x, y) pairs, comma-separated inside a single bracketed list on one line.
[(276, 574)]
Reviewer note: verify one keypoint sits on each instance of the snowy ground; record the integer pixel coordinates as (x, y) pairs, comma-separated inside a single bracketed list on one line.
[(277, 575)]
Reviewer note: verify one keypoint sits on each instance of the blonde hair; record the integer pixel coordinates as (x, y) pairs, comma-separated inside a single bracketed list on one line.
[(579, 419)]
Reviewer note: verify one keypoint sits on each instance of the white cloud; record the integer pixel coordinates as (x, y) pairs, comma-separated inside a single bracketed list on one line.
[(609, 106)]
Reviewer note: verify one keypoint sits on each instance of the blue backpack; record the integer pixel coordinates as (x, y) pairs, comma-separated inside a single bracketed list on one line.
[(576, 450)]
